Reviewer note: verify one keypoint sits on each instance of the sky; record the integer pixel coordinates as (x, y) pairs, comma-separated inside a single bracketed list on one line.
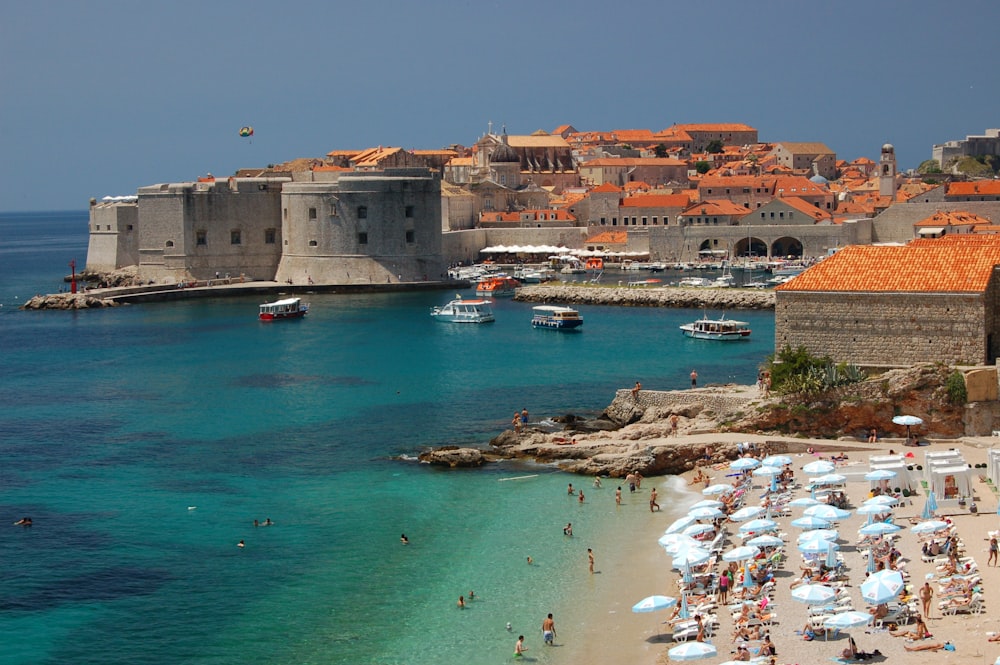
[(102, 97)]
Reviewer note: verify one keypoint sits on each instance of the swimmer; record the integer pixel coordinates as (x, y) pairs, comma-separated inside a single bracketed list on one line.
[(24, 521), (581, 496), (530, 561), (597, 481), (570, 490), (256, 523), (549, 630), (403, 539), (268, 522), (472, 595), (461, 602), (240, 544), (519, 648), (568, 529)]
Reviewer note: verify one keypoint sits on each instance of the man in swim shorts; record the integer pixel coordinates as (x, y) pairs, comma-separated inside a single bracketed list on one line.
[(549, 630)]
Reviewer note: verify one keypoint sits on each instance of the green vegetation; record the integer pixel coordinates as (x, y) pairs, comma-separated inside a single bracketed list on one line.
[(660, 151), (798, 372), (955, 385), (929, 166), (714, 147), (983, 166), (702, 167)]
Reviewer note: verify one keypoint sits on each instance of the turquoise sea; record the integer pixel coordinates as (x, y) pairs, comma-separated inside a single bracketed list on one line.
[(144, 441)]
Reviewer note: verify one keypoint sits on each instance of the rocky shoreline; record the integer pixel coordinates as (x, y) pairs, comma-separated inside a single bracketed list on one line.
[(665, 296)]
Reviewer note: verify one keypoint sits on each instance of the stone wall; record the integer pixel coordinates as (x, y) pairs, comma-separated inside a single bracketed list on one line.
[(884, 328), (114, 236)]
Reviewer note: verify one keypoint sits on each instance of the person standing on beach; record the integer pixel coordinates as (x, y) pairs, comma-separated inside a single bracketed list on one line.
[(524, 417), (590, 559), (516, 422), (926, 594), (694, 379), (673, 424), (994, 549), (549, 630)]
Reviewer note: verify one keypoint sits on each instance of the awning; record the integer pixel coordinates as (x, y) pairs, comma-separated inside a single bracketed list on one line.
[(931, 230)]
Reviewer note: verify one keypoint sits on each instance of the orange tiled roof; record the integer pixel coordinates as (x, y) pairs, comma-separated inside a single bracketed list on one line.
[(609, 238), (637, 186), (716, 127), (953, 264), (625, 162), (657, 201), (607, 188), (716, 207), (974, 188), (804, 206), (953, 218)]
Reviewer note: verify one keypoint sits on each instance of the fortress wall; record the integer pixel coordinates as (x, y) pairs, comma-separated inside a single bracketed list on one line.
[(883, 328), (114, 236)]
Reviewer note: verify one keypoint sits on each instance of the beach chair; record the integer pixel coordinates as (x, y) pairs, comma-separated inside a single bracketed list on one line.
[(971, 605)]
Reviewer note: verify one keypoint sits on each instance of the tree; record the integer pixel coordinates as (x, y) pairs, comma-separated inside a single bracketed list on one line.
[(714, 147), (660, 151), (702, 167)]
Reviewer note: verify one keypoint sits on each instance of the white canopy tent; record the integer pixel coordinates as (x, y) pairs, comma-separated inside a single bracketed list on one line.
[(993, 465), (950, 483), (937, 456), (904, 477)]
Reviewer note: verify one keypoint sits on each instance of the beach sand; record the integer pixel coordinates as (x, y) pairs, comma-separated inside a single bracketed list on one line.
[(635, 566)]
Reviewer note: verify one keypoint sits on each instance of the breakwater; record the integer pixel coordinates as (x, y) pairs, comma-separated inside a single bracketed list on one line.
[(668, 296)]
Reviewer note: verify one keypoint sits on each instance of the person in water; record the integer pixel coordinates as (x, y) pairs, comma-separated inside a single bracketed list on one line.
[(403, 539)]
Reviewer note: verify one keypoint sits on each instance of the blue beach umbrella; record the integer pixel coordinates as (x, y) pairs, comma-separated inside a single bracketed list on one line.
[(675, 542), (697, 529), (879, 529), (817, 546), (768, 472), (747, 577), (930, 526), (930, 507), (847, 620), (766, 541), (819, 534), (873, 509), (831, 555), (803, 502), (707, 503), (742, 553), (819, 467), (871, 565), (829, 479), (753, 526), (883, 499), (684, 612), (776, 460), (706, 513), (746, 513), (679, 524), (827, 512), (880, 474)]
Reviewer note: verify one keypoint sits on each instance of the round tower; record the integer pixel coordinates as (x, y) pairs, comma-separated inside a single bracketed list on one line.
[(887, 171)]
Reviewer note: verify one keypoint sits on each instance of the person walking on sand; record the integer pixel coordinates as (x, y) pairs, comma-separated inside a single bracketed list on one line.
[(694, 379), (926, 594), (590, 559), (549, 630), (994, 549), (516, 422)]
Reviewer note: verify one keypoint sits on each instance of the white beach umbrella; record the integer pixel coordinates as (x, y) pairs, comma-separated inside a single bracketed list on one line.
[(829, 479), (808, 522), (766, 540), (776, 460), (690, 556), (692, 651), (803, 502), (654, 603), (881, 587), (707, 503), (883, 499), (930, 526), (848, 620), (718, 488), (818, 534), (746, 513), (741, 553), (819, 467), (697, 529), (878, 529), (827, 512), (675, 542), (813, 594), (706, 513), (744, 463), (680, 523), (756, 525), (766, 471), (930, 507), (817, 546), (874, 509), (880, 474)]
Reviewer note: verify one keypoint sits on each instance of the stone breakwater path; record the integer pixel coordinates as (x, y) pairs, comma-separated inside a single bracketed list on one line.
[(668, 296)]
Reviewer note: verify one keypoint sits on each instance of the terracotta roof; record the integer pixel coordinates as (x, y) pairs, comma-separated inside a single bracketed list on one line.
[(533, 141), (805, 148), (460, 161), (633, 161), (626, 135), (716, 127), (974, 188), (806, 207), (609, 238), (637, 186), (606, 188), (716, 207), (657, 201), (953, 218), (953, 264)]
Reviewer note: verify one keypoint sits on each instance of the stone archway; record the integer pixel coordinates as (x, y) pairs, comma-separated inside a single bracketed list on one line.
[(787, 246), (716, 248), (757, 248)]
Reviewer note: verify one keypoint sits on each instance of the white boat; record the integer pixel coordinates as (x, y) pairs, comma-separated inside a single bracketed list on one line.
[(557, 318), (718, 329), (289, 308), (695, 281), (465, 311)]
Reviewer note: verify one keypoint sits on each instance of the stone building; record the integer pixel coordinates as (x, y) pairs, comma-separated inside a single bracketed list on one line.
[(114, 234), (929, 301), (701, 134), (656, 171), (811, 158), (971, 146)]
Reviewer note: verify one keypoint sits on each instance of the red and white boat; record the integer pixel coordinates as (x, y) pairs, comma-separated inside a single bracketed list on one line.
[(497, 286), (289, 308)]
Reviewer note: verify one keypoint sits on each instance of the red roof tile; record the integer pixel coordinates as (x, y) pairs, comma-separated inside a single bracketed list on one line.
[(974, 188)]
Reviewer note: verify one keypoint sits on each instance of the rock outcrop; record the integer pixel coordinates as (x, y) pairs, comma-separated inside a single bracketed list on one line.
[(454, 457), (68, 301)]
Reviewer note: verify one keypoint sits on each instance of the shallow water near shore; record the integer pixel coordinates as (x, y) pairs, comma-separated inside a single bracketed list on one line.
[(145, 440)]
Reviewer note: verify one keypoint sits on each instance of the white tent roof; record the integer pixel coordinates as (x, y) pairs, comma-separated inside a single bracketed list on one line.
[(963, 480)]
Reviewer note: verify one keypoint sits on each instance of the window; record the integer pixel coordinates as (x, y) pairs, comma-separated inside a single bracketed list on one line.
[(781, 215), (362, 238), (410, 236), (488, 203), (234, 237), (169, 243), (270, 236), (313, 243), (791, 215), (408, 212), (604, 221), (128, 228), (312, 213), (362, 212), (772, 215), (284, 213), (200, 238)]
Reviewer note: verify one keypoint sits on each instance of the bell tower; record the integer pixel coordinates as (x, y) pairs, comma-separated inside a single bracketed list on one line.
[(887, 171)]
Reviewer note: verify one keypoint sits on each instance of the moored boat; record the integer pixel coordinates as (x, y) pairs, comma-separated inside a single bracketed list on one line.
[(717, 329), (555, 317), (464, 311), (497, 286), (289, 308)]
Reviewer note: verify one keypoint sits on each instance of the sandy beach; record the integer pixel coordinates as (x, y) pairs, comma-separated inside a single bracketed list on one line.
[(635, 566)]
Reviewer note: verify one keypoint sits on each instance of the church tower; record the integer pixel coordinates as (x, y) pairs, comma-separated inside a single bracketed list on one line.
[(887, 171)]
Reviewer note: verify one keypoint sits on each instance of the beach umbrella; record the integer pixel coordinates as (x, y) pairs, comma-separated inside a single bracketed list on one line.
[(769, 472), (803, 502), (871, 564), (874, 509), (831, 554), (718, 488), (690, 556), (707, 503), (848, 620), (808, 522), (747, 577), (881, 587), (930, 526), (827, 512), (817, 546), (706, 513), (908, 422), (684, 612), (829, 479), (819, 467), (766, 541), (743, 464), (741, 553), (693, 651), (879, 529), (883, 499), (654, 603), (756, 525), (675, 542), (776, 460), (679, 524), (880, 474), (819, 534), (813, 594), (746, 513), (697, 529), (930, 507)]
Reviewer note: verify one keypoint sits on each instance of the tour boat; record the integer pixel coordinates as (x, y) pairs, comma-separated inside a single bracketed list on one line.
[(497, 286), (718, 329), (289, 308), (464, 311), (557, 318)]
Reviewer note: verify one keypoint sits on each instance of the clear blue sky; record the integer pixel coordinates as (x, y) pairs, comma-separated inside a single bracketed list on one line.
[(98, 98)]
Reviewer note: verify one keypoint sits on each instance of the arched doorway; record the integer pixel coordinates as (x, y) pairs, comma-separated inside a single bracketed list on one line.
[(787, 247), (713, 248), (750, 248)]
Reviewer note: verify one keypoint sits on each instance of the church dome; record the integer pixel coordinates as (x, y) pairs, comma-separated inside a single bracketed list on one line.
[(887, 148), (819, 180), (504, 154)]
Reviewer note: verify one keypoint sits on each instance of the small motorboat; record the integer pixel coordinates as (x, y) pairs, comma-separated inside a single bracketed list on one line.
[(497, 286), (465, 311), (556, 318), (717, 329), (289, 308)]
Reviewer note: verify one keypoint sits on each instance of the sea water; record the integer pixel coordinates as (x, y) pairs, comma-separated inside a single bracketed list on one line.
[(145, 440)]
